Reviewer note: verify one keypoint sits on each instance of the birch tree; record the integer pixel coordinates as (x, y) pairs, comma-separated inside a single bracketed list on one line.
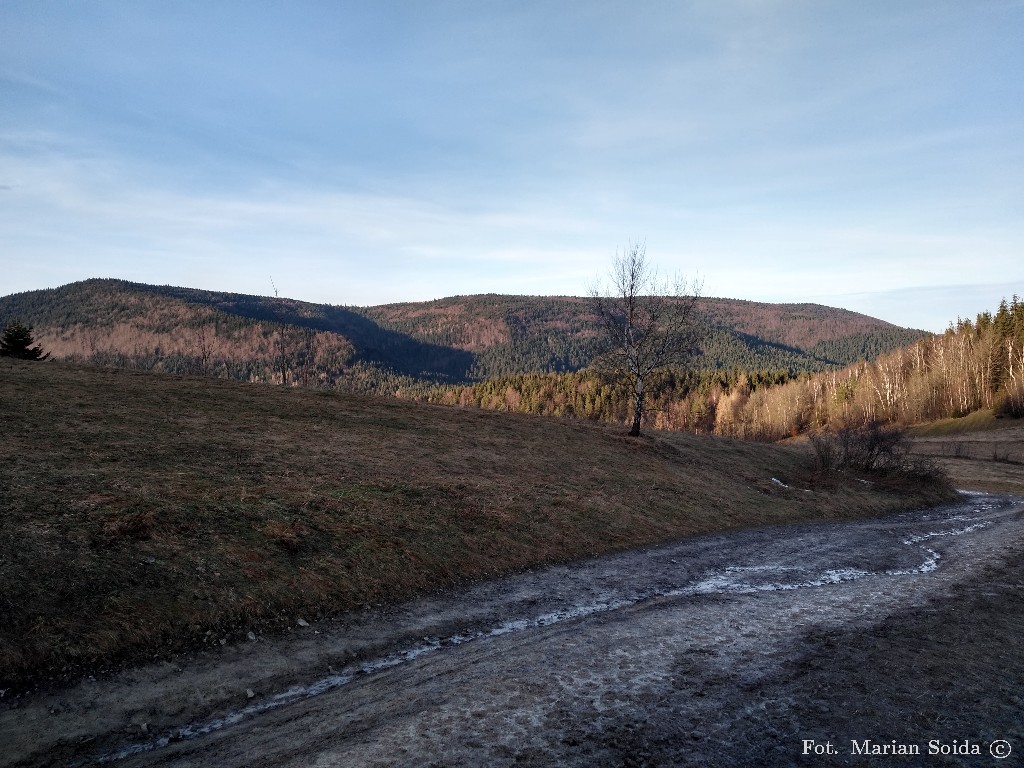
[(646, 322)]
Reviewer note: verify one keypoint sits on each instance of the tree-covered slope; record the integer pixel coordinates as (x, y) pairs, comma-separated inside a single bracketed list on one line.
[(383, 348), (523, 334)]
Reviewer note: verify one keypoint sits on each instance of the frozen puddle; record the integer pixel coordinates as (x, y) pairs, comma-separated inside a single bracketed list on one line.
[(729, 580)]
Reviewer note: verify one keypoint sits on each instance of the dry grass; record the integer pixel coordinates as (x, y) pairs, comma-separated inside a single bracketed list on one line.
[(979, 421), (978, 452), (143, 514), (982, 475)]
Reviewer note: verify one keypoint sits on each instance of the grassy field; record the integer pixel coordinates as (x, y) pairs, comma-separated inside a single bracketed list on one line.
[(979, 421), (144, 514), (978, 452)]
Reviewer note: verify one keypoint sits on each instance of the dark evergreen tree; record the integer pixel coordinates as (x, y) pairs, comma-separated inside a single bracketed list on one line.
[(17, 342)]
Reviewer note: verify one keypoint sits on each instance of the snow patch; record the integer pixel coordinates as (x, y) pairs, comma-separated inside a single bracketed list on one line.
[(953, 532)]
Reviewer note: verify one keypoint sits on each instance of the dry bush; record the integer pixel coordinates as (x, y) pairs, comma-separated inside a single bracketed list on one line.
[(873, 447), (826, 454)]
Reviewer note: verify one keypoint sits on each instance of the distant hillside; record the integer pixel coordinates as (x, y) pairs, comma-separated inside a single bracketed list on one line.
[(524, 334), (380, 349), (973, 366)]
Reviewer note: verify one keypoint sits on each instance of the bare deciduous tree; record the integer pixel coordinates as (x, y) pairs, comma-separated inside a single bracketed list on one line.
[(205, 348), (647, 322)]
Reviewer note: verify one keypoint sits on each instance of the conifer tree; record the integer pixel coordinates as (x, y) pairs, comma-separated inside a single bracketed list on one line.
[(1003, 320), (17, 342)]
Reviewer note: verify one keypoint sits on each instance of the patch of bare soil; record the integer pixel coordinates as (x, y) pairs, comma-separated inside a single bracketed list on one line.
[(754, 647), (937, 684), (948, 676)]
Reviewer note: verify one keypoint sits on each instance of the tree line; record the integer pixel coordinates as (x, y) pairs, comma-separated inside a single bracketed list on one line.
[(683, 399), (973, 365)]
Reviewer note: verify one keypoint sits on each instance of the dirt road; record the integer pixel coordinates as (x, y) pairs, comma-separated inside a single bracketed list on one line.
[(803, 645)]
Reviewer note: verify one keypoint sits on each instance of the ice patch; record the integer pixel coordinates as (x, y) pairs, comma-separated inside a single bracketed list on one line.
[(722, 583), (930, 564), (953, 532), (762, 568), (779, 482)]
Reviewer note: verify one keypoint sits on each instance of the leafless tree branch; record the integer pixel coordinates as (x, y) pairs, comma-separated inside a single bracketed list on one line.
[(647, 323)]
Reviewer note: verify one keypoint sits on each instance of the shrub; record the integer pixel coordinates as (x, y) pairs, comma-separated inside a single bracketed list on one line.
[(872, 447), (825, 451)]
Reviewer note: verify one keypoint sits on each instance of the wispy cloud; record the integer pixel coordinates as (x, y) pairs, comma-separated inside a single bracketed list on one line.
[(329, 239), (375, 152)]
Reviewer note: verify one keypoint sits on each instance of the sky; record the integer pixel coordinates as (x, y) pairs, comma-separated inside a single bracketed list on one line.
[(864, 154)]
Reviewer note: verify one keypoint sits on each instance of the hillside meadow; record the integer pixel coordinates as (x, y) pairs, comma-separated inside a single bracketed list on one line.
[(980, 451), (145, 514)]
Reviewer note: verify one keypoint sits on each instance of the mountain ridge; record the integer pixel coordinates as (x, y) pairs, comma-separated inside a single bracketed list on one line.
[(449, 340)]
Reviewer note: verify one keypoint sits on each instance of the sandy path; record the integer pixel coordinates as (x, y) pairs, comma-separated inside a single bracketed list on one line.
[(706, 652)]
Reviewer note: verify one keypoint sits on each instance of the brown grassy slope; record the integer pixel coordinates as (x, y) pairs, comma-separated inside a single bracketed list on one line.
[(143, 513), (978, 451)]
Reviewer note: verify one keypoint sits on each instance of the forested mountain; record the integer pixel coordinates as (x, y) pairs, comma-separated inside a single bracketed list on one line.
[(973, 365), (236, 336), (524, 334), (396, 347), (764, 371)]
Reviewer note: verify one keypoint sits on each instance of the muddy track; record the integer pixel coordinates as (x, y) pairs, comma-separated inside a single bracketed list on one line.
[(905, 630)]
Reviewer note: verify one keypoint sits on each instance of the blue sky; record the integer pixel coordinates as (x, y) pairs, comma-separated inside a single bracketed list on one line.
[(862, 154)]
